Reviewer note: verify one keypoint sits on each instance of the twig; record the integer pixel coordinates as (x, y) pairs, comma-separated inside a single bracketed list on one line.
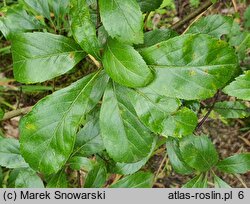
[(208, 112), (97, 63), (16, 113), (235, 6), (240, 179), (192, 15), (159, 169)]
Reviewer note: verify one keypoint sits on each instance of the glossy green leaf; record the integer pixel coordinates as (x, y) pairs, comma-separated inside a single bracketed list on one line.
[(83, 29), (214, 25), (160, 113), (232, 109), (40, 7), (10, 155), (78, 163), (240, 88), (48, 132), (175, 157), (58, 180), (137, 180), (190, 66), (122, 19), (130, 168), (149, 5), (219, 183), (88, 139), (197, 182), (15, 20), (42, 56), (239, 163), (27, 178), (198, 152), (126, 139), (96, 178), (155, 36), (125, 65)]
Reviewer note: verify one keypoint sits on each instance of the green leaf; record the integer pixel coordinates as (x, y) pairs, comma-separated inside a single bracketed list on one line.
[(96, 178), (1, 177), (126, 139), (219, 183), (130, 168), (149, 5), (137, 180), (27, 178), (214, 25), (88, 139), (198, 152), (48, 132), (1, 113), (15, 20), (197, 182), (39, 6), (58, 180), (232, 109), (247, 17), (175, 157), (59, 8), (155, 36), (125, 65), (83, 29), (240, 88), (190, 66), (122, 20), (239, 163), (78, 163), (42, 56), (10, 155), (160, 113)]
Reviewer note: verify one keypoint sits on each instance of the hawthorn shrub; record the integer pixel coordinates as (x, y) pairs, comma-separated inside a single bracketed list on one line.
[(145, 92)]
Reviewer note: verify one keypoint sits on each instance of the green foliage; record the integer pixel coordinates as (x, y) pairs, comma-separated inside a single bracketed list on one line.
[(146, 85)]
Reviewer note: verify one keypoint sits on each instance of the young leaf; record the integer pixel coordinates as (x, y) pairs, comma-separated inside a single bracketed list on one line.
[(156, 36), (78, 163), (219, 183), (42, 56), (83, 29), (59, 8), (39, 6), (125, 65), (48, 132), (96, 177), (123, 20), (240, 88), (198, 152), (214, 25), (198, 181), (184, 71), (126, 139), (88, 139), (17, 20), (10, 155), (232, 109), (58, 180), (175, 157), (239, 163), (130, 168), (27, 178), (137, 180), (149, 5)]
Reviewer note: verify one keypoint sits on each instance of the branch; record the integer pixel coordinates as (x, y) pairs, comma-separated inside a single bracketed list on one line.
[(208, 112), (16, 113), (192, 15)]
